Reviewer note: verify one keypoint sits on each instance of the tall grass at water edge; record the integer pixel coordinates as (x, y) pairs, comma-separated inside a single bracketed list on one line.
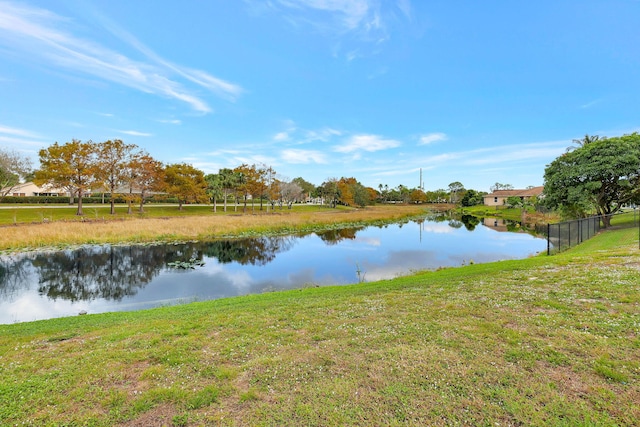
[(204, 225)]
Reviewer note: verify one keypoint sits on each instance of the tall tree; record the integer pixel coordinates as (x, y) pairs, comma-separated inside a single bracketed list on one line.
[(330, 191), (454, 188), (307, 188), (290, 192), (600, 176), (228, 181), (144, 174), (113, 159), (186, 183), (214, 188), (72, 165), (352, 193), (247, 182), (13, 168)]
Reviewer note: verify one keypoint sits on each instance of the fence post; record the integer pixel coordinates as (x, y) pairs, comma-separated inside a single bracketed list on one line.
[(549, 239)]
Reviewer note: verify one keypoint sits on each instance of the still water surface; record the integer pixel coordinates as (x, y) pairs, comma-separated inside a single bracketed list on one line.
[(97, 279)]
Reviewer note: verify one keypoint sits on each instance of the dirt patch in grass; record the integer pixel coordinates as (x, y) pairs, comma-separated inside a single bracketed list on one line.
[(161, 415)]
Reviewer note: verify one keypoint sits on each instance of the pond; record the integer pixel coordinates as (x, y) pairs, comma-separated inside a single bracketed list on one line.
[(95, 279)]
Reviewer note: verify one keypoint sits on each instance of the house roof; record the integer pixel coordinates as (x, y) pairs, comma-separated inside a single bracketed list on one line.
[(529, 192)]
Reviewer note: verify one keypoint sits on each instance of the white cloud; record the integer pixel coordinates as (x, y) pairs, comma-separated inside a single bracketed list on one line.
[(303, 156), (432, 137), (135, 133), (324, 134), (350, 13), (171, 121), (38, 34), (19, 137), (17, 132), (281, 136), (368, 143)]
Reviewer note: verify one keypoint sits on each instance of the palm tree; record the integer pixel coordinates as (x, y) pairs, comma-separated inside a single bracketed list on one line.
[(584, 141)]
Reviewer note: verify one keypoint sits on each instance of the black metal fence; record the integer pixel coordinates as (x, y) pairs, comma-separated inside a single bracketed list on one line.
[(567, 234)]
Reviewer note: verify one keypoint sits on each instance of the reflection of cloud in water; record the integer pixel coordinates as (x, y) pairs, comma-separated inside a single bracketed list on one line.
[(39, 308), (402, 263), (371, 241), (438, 228)]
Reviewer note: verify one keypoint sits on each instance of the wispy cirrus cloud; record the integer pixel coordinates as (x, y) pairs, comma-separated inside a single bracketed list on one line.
[(170, 121), (348, 14), (303, 156), (44, 36), (590, 104), (370, 143), (135, 133), (369, 21), (508, 154), (20, 138)]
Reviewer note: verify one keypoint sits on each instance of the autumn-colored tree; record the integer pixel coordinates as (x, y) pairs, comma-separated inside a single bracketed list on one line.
[(186, 183), (352, 193), (247, 182), (346, 190), (417, 196), (113, 159), (144, 174), (372, 195), (71, 165), (274, 192)]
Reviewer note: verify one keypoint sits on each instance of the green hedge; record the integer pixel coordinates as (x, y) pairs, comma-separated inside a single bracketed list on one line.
[(65, 200)]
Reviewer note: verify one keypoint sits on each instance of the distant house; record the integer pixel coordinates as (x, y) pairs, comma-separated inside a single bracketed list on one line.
[(29, 189), (499, 197)]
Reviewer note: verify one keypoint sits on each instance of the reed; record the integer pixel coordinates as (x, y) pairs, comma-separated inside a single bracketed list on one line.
[(200, 227)]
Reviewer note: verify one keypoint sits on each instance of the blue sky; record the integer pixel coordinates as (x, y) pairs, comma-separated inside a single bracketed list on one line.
[(476, 92)]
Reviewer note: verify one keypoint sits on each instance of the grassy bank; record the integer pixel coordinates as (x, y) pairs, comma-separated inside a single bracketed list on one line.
[(542, 341), (195, 223), (14, 214)]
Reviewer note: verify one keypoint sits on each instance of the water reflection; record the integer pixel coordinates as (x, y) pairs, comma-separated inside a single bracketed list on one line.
[(110, 278)]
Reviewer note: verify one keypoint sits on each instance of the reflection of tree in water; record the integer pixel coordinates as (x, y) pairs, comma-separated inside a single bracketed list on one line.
[(454, 223), (108, 272), (333, 237), (258, 251), (470, 222), (116, 272), (13, 276)]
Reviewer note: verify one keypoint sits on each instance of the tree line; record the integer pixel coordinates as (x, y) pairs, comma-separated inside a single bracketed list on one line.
[(119, 169), (116, 168)]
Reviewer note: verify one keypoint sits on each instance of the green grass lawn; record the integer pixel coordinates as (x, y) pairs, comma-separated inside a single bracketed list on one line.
[(17, 214), (542, 341)]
